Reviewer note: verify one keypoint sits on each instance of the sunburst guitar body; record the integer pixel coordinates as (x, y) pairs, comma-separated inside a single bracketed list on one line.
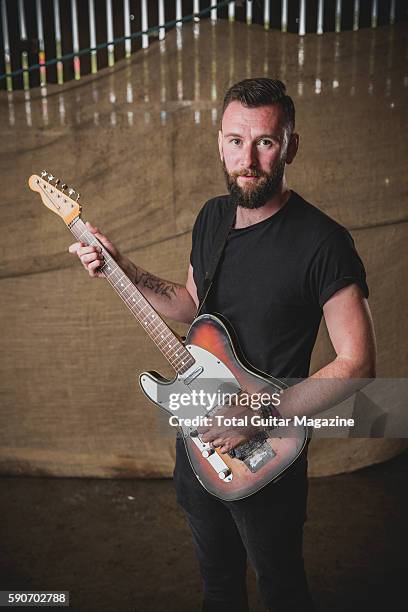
[(218, 370)]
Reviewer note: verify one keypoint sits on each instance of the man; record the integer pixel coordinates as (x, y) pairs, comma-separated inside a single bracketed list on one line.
[(285, 263)]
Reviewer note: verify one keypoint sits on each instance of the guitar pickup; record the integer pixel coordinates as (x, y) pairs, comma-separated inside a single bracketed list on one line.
[(193, 375), (254, 453)]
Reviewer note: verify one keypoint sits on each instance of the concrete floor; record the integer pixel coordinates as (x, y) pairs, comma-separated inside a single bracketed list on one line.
[(123, 545)]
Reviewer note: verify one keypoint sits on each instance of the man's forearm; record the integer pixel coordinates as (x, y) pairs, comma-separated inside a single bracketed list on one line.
[(170, 299), (326, 388)]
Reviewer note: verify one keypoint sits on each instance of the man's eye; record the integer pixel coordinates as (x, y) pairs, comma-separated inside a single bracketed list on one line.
[(235, 141), (265, 142)]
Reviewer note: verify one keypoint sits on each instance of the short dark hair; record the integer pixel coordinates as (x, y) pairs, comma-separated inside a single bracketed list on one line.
[(262, 92)]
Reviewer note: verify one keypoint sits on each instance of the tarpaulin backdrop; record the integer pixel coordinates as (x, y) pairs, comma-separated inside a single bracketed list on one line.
[(145, 163)]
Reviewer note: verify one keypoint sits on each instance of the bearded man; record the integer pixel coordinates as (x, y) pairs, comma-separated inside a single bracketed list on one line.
[(285, 264)]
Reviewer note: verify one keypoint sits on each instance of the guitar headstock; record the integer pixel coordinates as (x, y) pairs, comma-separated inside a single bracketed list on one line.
[(56, 196)]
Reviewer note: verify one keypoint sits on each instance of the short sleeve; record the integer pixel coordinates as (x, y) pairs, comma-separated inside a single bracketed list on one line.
[(335, 265)]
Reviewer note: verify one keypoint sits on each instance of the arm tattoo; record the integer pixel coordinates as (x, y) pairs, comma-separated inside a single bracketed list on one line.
[(144, 279)]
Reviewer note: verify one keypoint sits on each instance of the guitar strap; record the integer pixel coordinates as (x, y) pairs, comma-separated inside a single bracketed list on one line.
[(220, 241)]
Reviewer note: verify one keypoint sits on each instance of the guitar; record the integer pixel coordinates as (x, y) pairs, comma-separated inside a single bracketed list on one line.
[(206, 365)]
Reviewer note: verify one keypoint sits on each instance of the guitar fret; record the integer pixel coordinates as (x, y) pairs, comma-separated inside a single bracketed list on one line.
[(182, 359), (119, 281), (124, 287), (163, 342), (155, 327)]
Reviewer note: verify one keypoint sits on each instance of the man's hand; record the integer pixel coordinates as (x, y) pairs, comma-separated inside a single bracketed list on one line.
[(172, 300), (230, 433), (91, 256)]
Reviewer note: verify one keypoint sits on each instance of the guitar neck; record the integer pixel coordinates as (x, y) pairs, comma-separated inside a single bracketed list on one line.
[(165, 340)]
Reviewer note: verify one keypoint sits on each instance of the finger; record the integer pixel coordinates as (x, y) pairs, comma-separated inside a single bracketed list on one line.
[(73, 248), (209, 436), (94, 264), (92, 228), (91, 257), (229, 444), (97, 232), (102, 238), (93, 267), (84, 250), (218, 442)]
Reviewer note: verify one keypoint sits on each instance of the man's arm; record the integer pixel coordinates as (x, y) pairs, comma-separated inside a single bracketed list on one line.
[(349, 323), (351, 330), (172, 300)]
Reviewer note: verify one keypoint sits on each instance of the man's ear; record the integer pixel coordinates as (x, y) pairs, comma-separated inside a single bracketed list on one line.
[(220, 145), (292, 147)]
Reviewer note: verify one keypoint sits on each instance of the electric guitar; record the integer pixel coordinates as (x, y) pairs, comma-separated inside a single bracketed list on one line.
[(206, 365)]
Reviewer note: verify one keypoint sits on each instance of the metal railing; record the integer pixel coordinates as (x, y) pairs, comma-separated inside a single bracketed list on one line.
[(41, 34)]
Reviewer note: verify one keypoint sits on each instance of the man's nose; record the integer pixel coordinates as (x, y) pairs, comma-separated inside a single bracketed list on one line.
[(249, 157)]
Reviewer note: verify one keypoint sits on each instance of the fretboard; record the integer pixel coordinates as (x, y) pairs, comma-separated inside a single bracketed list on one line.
[(166, 341)]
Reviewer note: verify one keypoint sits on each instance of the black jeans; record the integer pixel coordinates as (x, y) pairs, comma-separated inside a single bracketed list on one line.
[(267, 527)]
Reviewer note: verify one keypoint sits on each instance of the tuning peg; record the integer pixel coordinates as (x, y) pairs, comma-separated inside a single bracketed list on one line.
[(71, 191), (50, 178), (57, 182), (44, 174), (78, 196), (64, 187)]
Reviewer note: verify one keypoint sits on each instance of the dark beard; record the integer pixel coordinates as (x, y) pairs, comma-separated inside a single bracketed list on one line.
[(258, 196)]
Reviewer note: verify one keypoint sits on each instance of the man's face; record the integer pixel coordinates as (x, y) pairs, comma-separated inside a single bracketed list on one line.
[(253, 147)]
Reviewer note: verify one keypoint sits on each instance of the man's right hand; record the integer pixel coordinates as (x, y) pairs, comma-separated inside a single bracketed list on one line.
[(91, 256), (172, 300)]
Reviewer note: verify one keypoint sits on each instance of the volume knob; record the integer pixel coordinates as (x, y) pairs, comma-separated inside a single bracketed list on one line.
[(224, 474), (207, 452)]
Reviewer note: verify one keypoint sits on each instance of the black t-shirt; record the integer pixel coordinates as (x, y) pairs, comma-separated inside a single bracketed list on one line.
[(274, 278)]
